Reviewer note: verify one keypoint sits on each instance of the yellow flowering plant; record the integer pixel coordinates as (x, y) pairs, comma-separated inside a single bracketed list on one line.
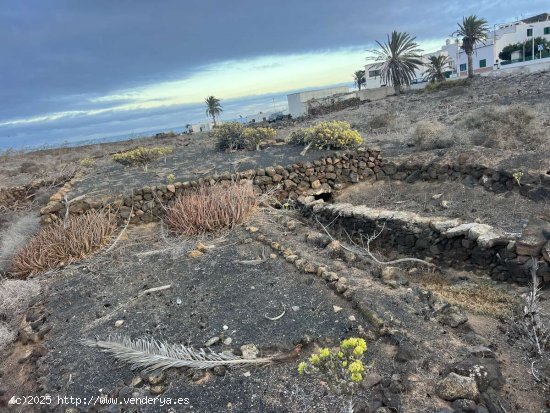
[(170, 178), (254, 136), (87, 162), (235, 136), (342, 368), (327, 135), (141, 156)]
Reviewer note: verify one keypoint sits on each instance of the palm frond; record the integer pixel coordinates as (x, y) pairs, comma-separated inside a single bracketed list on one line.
[(397, 59), (150, 354)]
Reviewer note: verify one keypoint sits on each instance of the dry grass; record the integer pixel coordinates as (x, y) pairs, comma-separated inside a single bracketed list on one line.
[(479, 297), (506, 127), (15, 236), (430, 134), (382, 120), (211, 208), (62, 243), (15, 296)]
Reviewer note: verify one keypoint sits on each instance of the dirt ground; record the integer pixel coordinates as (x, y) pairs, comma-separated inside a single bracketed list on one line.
[(420, 323)]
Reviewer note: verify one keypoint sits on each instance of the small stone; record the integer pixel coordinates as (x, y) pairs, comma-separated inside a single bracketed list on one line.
[(291, 258), (295, 308), (291, 225), (336, 308), (200, 247), (452, 316), (156, 378), (444, 204), (178, 301), (194, 254), (334, 249), (252, 229), (246, 374), (118, 323), (157, 389), (219, 370), (371, 380), (310, 268), (437, 196), (455, 387), (225, 328), (228, 341), (482, 351), (351, 318), (464, 405), (212, 341), (137, 381), (272, 256), (250, 351)]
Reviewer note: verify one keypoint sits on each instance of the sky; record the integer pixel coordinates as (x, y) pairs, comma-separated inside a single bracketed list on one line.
[(74, 70)]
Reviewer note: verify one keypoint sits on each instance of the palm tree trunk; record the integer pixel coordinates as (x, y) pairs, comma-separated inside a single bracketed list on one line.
[(214, 119), (470, 65), (397, 88)]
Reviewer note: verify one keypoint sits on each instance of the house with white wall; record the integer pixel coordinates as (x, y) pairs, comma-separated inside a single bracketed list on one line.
[(298, 102), (199, 127), (486, 54)]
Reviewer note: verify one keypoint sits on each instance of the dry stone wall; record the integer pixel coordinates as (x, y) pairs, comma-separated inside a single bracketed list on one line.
[(315, 178), (450, 242), (532, 186)]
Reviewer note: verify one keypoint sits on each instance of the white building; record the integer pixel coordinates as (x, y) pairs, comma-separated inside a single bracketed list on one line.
[(262, 116), (199, 127), (486, 54), (298, 102)]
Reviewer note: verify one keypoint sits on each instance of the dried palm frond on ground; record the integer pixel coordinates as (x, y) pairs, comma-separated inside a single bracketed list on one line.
[(211, 208), (63, 242), (150, 354)]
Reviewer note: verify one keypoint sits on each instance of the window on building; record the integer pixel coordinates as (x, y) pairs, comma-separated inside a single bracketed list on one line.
[(463, 67), (483, 63), (547, 30), (529, 32), (374, 73)]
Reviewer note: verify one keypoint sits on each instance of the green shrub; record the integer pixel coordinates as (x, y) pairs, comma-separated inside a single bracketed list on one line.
[(229, 136), (254, 136), (327, 135), (451, 84), (141, 156), (299, 136), (235, 136), (87, 162)]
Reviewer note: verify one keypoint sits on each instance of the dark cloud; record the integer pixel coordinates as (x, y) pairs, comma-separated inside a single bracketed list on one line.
[(57, 55)]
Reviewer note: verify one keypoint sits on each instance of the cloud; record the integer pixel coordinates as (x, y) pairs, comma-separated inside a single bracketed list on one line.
[(67, 61)]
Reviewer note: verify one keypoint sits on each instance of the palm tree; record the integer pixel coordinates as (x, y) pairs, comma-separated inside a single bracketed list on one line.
[(436, 68), (398, 59), (360, 79), (473, 30), (213, 107)]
